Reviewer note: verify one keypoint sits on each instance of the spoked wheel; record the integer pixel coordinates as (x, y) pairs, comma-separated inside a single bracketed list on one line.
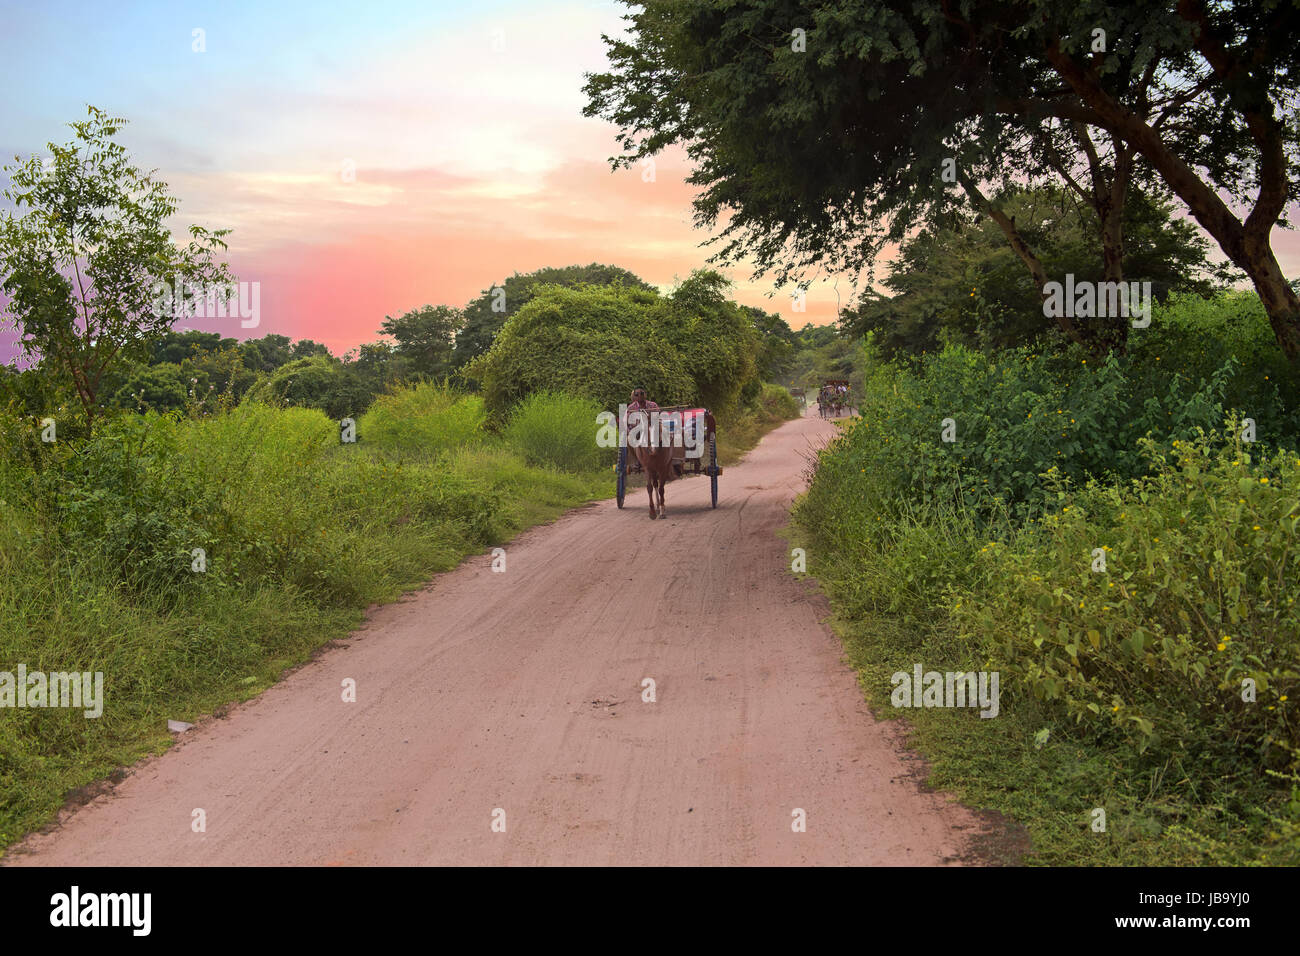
[(713, 468), (622, 474)]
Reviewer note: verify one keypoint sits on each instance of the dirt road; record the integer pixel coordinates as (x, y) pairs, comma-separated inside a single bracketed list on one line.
[(517, 697)]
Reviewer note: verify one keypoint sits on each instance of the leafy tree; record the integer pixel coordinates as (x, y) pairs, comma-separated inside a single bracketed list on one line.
[(777, 344), (825, 352), (1103, 183), (485, 315), (162, 387), (317, 382), (602, 341), (1215, 115), (176, 347), (268, 353), (591, 341), (816, 336), (380, 365), (305, 348), (84, 260), (33, 391), (425, 337), (715, 336), (963, 282), (872, 98), (224, 370)]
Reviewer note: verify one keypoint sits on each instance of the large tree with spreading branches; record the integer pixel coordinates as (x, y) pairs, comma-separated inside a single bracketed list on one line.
[(820, 132)]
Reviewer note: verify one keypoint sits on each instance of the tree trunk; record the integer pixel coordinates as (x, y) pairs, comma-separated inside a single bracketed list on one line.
[(1112, 332), (1105, 196), (1021, 248), (1280, 300)]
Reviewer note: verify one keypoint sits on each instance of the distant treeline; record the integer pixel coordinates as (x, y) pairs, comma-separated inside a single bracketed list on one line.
[(738, 348)]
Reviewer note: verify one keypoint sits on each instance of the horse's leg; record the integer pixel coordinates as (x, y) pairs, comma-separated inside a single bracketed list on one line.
[(650, 488), (663, 478)]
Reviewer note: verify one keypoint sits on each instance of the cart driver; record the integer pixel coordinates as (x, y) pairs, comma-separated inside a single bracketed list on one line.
[(640, 401)]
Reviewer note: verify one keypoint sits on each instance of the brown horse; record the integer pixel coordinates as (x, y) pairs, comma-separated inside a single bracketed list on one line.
[(655, 456)]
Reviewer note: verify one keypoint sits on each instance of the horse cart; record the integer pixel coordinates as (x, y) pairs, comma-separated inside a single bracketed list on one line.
[(833, 397), (691, 433)]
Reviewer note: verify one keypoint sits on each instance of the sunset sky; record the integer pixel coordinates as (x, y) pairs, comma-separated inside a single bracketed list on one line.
[(462, 121)]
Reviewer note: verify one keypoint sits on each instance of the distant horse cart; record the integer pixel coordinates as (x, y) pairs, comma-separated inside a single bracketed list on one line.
[(833, 397), (800, 395), (668, 443)]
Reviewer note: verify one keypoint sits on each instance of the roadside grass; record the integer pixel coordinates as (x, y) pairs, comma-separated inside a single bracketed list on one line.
[(554, 429), (423, 419), (1053, 790), (530, 495)]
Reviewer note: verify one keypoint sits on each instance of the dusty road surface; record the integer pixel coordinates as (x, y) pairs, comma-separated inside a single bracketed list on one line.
[(517, 696)]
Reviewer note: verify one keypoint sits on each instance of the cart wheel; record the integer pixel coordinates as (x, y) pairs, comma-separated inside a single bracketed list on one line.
[(713, 468), (622, 474)]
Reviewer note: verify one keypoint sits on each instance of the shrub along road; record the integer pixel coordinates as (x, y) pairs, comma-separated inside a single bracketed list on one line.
[(523, 692)]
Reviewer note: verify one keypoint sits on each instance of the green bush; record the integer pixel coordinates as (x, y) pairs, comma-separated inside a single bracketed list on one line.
[(596, 342), (160, 388), (557, 430), (601, 342), (1014, 415), (1195, 597), (1192, 338), (127, 497), (320, 381), (777, 402), (715, 337), (980, 554), (424, 419)]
